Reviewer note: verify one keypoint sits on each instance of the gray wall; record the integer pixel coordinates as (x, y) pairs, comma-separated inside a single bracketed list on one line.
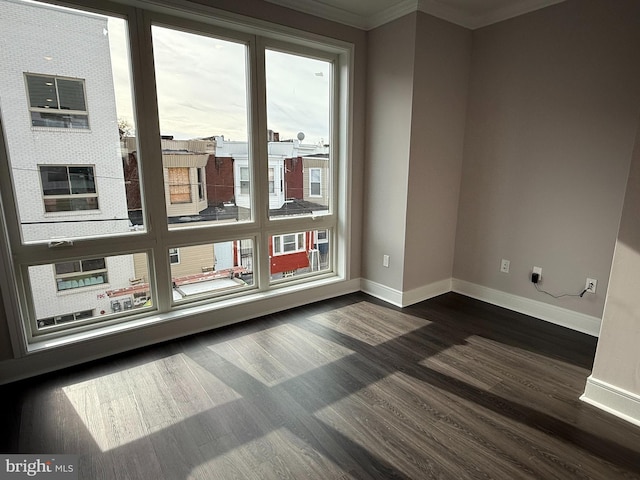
[(441, 76), (388, 135), (553, 104), (417, 74)]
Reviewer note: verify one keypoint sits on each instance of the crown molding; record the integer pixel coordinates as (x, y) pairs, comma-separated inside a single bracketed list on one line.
[(435, 8), (391, 13), (325, 11), (511, 10)]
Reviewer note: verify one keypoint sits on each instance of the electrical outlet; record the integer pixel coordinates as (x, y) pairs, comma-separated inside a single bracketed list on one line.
[(504, 266), (538, 270), (591, 284), (385, 261)]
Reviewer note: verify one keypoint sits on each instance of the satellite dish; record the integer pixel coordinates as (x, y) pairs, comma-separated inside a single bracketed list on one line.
[(300, 136)]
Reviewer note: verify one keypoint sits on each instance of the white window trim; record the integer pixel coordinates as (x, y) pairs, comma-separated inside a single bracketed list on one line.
[(176, 253)]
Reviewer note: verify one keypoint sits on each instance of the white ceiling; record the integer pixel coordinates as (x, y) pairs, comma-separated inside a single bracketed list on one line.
[(368, 14)]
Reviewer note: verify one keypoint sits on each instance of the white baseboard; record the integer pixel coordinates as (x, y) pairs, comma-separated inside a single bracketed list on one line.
[(550, 313), (389, 295), (426, 292), (614, 400), (404, 299)]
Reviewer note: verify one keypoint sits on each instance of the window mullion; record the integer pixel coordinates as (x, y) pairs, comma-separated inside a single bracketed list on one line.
[(260, 164), (148, 137)]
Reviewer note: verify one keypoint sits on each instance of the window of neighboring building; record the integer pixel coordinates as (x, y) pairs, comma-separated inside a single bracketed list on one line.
[(69, 317), (290, 243), (80, 273), (272, 183), (68, 188), (57, 102), (314, 182), (244, 180), (200, 183), (322, 236), (179, 185), (174, 256)]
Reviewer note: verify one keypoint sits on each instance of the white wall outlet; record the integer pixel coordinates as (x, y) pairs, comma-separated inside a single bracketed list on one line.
[(538, 270), (385, 261), (504, 266), (591, 284)]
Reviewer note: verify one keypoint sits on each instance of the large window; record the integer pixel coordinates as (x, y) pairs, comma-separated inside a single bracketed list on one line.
[(235, 164), (201, 81), (57, 102), (68, 188), (299, 106)]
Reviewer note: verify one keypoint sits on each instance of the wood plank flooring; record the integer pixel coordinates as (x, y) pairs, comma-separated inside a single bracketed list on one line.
[(350, 388)]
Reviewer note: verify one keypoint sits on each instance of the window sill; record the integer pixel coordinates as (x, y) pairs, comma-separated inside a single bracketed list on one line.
[(182, 313), (59, 129)]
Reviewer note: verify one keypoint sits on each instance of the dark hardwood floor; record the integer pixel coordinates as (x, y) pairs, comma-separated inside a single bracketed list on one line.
[(450, 388)]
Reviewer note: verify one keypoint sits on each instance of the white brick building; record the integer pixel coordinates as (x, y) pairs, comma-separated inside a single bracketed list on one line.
[(35, 142), (64, 149)]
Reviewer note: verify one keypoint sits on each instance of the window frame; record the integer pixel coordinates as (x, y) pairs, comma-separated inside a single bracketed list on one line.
[(245, 183), (299, 240), (259, 229), (77, 274), (319, 182), (179, 186), (57, 111), (70, 196)]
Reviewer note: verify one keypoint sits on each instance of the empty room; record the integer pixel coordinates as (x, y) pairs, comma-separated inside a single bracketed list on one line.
[(319, 239)]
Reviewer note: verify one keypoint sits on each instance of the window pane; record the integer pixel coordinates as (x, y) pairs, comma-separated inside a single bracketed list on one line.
[(70, 180), (67, 267), (42, 92), (299, 253), (103, 289), (272, 180), (70, 204), (299, 116), (59, 120), (81, 179), (55, 180), (93, 264), (71, 95), (211, 269), (202, 104)]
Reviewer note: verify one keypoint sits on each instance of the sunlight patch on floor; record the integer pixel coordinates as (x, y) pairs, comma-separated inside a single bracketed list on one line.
[(369, 323), (125, 406), (280, 353)]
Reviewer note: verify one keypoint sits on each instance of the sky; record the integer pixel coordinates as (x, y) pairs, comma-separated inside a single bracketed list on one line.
[(202, 87)]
